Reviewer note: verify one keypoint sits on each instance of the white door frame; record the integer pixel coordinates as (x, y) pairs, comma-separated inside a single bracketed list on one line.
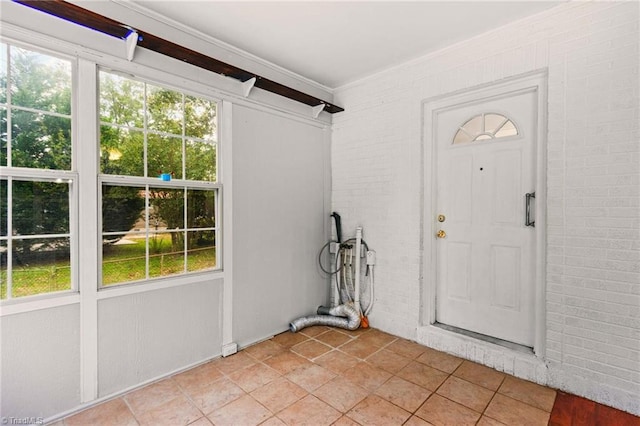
[(538, 81)]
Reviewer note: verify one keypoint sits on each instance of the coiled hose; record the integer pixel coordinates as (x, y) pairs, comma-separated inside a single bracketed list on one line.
[(344, 316)]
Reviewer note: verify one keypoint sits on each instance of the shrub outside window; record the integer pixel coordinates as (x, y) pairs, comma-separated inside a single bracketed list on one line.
[(36, 177), (159, 187)]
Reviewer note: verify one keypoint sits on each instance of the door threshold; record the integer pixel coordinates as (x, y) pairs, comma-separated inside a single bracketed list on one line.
[(489, 339)]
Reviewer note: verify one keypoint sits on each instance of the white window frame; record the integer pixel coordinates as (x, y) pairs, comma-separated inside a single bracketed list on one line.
[(87, 181), (148, 181), (10, 173)]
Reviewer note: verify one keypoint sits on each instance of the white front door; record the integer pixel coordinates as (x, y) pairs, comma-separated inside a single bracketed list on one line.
[(485, 164)]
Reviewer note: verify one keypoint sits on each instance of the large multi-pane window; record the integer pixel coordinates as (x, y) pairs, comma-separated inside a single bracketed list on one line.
[(36, 173), (158, 183), (159, 188)]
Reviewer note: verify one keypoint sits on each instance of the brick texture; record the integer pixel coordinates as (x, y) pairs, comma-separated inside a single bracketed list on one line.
[(591, 51)]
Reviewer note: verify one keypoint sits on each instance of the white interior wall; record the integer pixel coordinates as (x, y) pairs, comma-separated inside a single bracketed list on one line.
[(590, 51), (147, 335), (280, 217), (40, 359), (136, 334)]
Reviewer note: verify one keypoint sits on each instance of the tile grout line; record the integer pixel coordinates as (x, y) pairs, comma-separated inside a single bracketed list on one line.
[(252, 360), (434, 392), (186, 395), (126, 403), (412, 413)]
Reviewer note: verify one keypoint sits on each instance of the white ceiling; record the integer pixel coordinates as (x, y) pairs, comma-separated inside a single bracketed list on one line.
[(334, 43)]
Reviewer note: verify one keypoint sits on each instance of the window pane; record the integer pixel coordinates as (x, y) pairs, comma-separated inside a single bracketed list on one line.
[(461, 137), (474, 126), (200, 118), (40, 81), (201, 252), (507, 130), (166, 208), (121, 100), (166, 254), (3, 269), (3, 73), (164, 110), (201, 209), (492, 122), (40, 266), (201, 161), (3, 136), (164, 155), (3, 207), (121, 151), (40, 208), (175, 139), (122, 208), (40, 141), (123, 260)]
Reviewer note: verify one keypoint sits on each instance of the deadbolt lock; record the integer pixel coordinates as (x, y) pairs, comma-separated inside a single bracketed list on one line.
[(441, 234), (441, 218)]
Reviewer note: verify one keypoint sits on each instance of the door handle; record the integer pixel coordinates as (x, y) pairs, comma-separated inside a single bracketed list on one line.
[(441, 234), (527, 214)]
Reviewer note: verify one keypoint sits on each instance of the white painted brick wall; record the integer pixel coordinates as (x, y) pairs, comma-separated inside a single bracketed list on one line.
[(591, 51)]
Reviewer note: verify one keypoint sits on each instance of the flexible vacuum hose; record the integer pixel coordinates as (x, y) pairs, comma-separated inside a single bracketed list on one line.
[(336, 217), (344, 316)]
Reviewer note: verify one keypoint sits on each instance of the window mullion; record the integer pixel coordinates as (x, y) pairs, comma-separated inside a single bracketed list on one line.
[(89, 246), (186, 233), (184, 141), (147, 206), (216, 234), (145, 125), (9, 100), (9, 238)]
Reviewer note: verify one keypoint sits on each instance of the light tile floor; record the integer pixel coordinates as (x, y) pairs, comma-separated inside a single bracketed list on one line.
[(324, 376)]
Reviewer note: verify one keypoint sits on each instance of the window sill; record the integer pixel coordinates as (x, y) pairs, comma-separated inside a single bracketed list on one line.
[(54, 300), (34, 303), (118, 290)]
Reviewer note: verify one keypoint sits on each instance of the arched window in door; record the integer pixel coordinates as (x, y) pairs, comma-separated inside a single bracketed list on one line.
[(485, 126)]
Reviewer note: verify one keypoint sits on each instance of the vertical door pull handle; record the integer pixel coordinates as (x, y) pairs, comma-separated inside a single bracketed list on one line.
[(527, 218)]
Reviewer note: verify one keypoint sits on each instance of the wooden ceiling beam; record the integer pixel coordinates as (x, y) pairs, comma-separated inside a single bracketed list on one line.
[(86, 18)]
